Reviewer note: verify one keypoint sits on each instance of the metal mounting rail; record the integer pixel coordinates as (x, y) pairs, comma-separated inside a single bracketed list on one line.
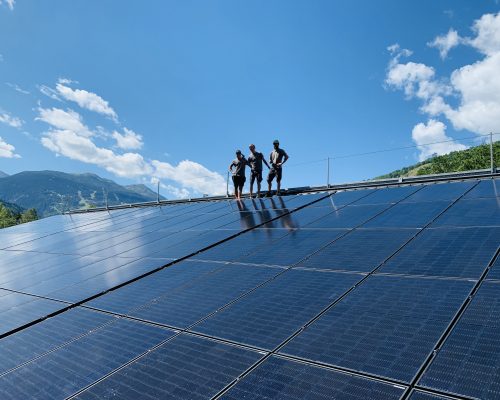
[(375, 183)]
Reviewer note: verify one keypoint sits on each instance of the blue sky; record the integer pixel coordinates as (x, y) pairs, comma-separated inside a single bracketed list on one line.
[(138, 91)]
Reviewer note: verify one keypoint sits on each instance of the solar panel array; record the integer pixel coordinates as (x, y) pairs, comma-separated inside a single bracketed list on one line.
[(378, 293)]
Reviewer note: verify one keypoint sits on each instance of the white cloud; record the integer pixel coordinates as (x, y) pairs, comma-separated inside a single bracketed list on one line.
[(428, 136), (85, 99), (49, 92), (178, 193), (128, 141), (9, 3), (70, 137), (17, 88), (445, 43), (71, 145), (8, 119), (7, 150), (470, 97), (64, 120), (191, 175)]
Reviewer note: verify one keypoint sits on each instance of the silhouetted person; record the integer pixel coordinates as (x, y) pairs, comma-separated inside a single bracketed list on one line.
[(277, 158), (255, 160), (237, 168)]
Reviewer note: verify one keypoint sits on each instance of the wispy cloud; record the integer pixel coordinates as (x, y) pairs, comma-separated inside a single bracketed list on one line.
[(17, 88), (49, 92), (9, 3), (8, 119), (7, 150), (444, 43), (476, 85)]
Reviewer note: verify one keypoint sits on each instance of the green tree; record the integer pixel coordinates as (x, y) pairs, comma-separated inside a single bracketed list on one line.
[(28, 216), (7, 218)]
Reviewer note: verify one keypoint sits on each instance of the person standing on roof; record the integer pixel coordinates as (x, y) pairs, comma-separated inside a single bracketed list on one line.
[(255, 160), (277, 158), (237, 168)]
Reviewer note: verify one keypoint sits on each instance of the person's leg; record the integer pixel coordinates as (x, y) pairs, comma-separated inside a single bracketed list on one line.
[(259, 180), (278, 181), (252, 179), (270, 178), (235, 183)]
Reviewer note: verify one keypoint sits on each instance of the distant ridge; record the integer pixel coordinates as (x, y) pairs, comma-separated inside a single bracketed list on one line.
[(457, 161), (54, 192), (3, 174)]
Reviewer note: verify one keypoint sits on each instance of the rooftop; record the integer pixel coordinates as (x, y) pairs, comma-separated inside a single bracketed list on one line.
[(380, 290)]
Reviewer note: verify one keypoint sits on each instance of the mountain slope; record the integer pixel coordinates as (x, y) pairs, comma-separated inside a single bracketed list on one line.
[(465, 160), (3, 174), (53, 192)]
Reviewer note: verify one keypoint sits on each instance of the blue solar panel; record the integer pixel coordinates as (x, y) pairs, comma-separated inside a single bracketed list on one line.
[(485, 188), (292, 248), (409, 215), (360, 250), (448, 191), (472, 212), (469, 362), (276, 310), (348, 217), (184, 368), (386, 327), (18, 309), (343, 198), (277, 379), (184, 306), (78, 363), (419, 395), (453, 252), (48, 335), (495, 270), (388, 195)]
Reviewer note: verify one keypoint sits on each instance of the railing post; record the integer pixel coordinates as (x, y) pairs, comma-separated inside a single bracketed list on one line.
[(158, 192), (328, 172), (492, 161), (227, 184)]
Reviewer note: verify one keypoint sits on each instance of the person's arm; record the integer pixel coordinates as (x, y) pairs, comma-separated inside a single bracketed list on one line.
[(285, 157), (265, 162), (231, 167)]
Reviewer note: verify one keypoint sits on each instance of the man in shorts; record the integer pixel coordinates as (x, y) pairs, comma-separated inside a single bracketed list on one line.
[(239, 164), (277, 158), (255, 160)]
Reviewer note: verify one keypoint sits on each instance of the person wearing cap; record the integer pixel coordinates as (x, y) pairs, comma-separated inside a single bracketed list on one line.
[(237, 168), (255, 160), (277, 158)]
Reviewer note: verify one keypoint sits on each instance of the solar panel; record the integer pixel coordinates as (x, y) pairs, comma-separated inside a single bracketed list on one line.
[(419, 395), (469, 362), (186, 305), (292, 248), (374, 247), (389, 195), (80, 362), (18, 309), (386, 327), (447, 191), (472, 212), (345, 298), (409, 215), (452, 252), (186, 367), (485, 188), (348, 217), (277, 378), (267, 316)]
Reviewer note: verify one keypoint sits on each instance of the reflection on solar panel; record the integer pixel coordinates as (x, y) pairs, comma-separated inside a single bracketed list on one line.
[(372, 293)]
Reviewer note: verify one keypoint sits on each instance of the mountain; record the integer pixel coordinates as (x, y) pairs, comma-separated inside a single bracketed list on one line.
[(3, 174), (464, 160), (53, 192)]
